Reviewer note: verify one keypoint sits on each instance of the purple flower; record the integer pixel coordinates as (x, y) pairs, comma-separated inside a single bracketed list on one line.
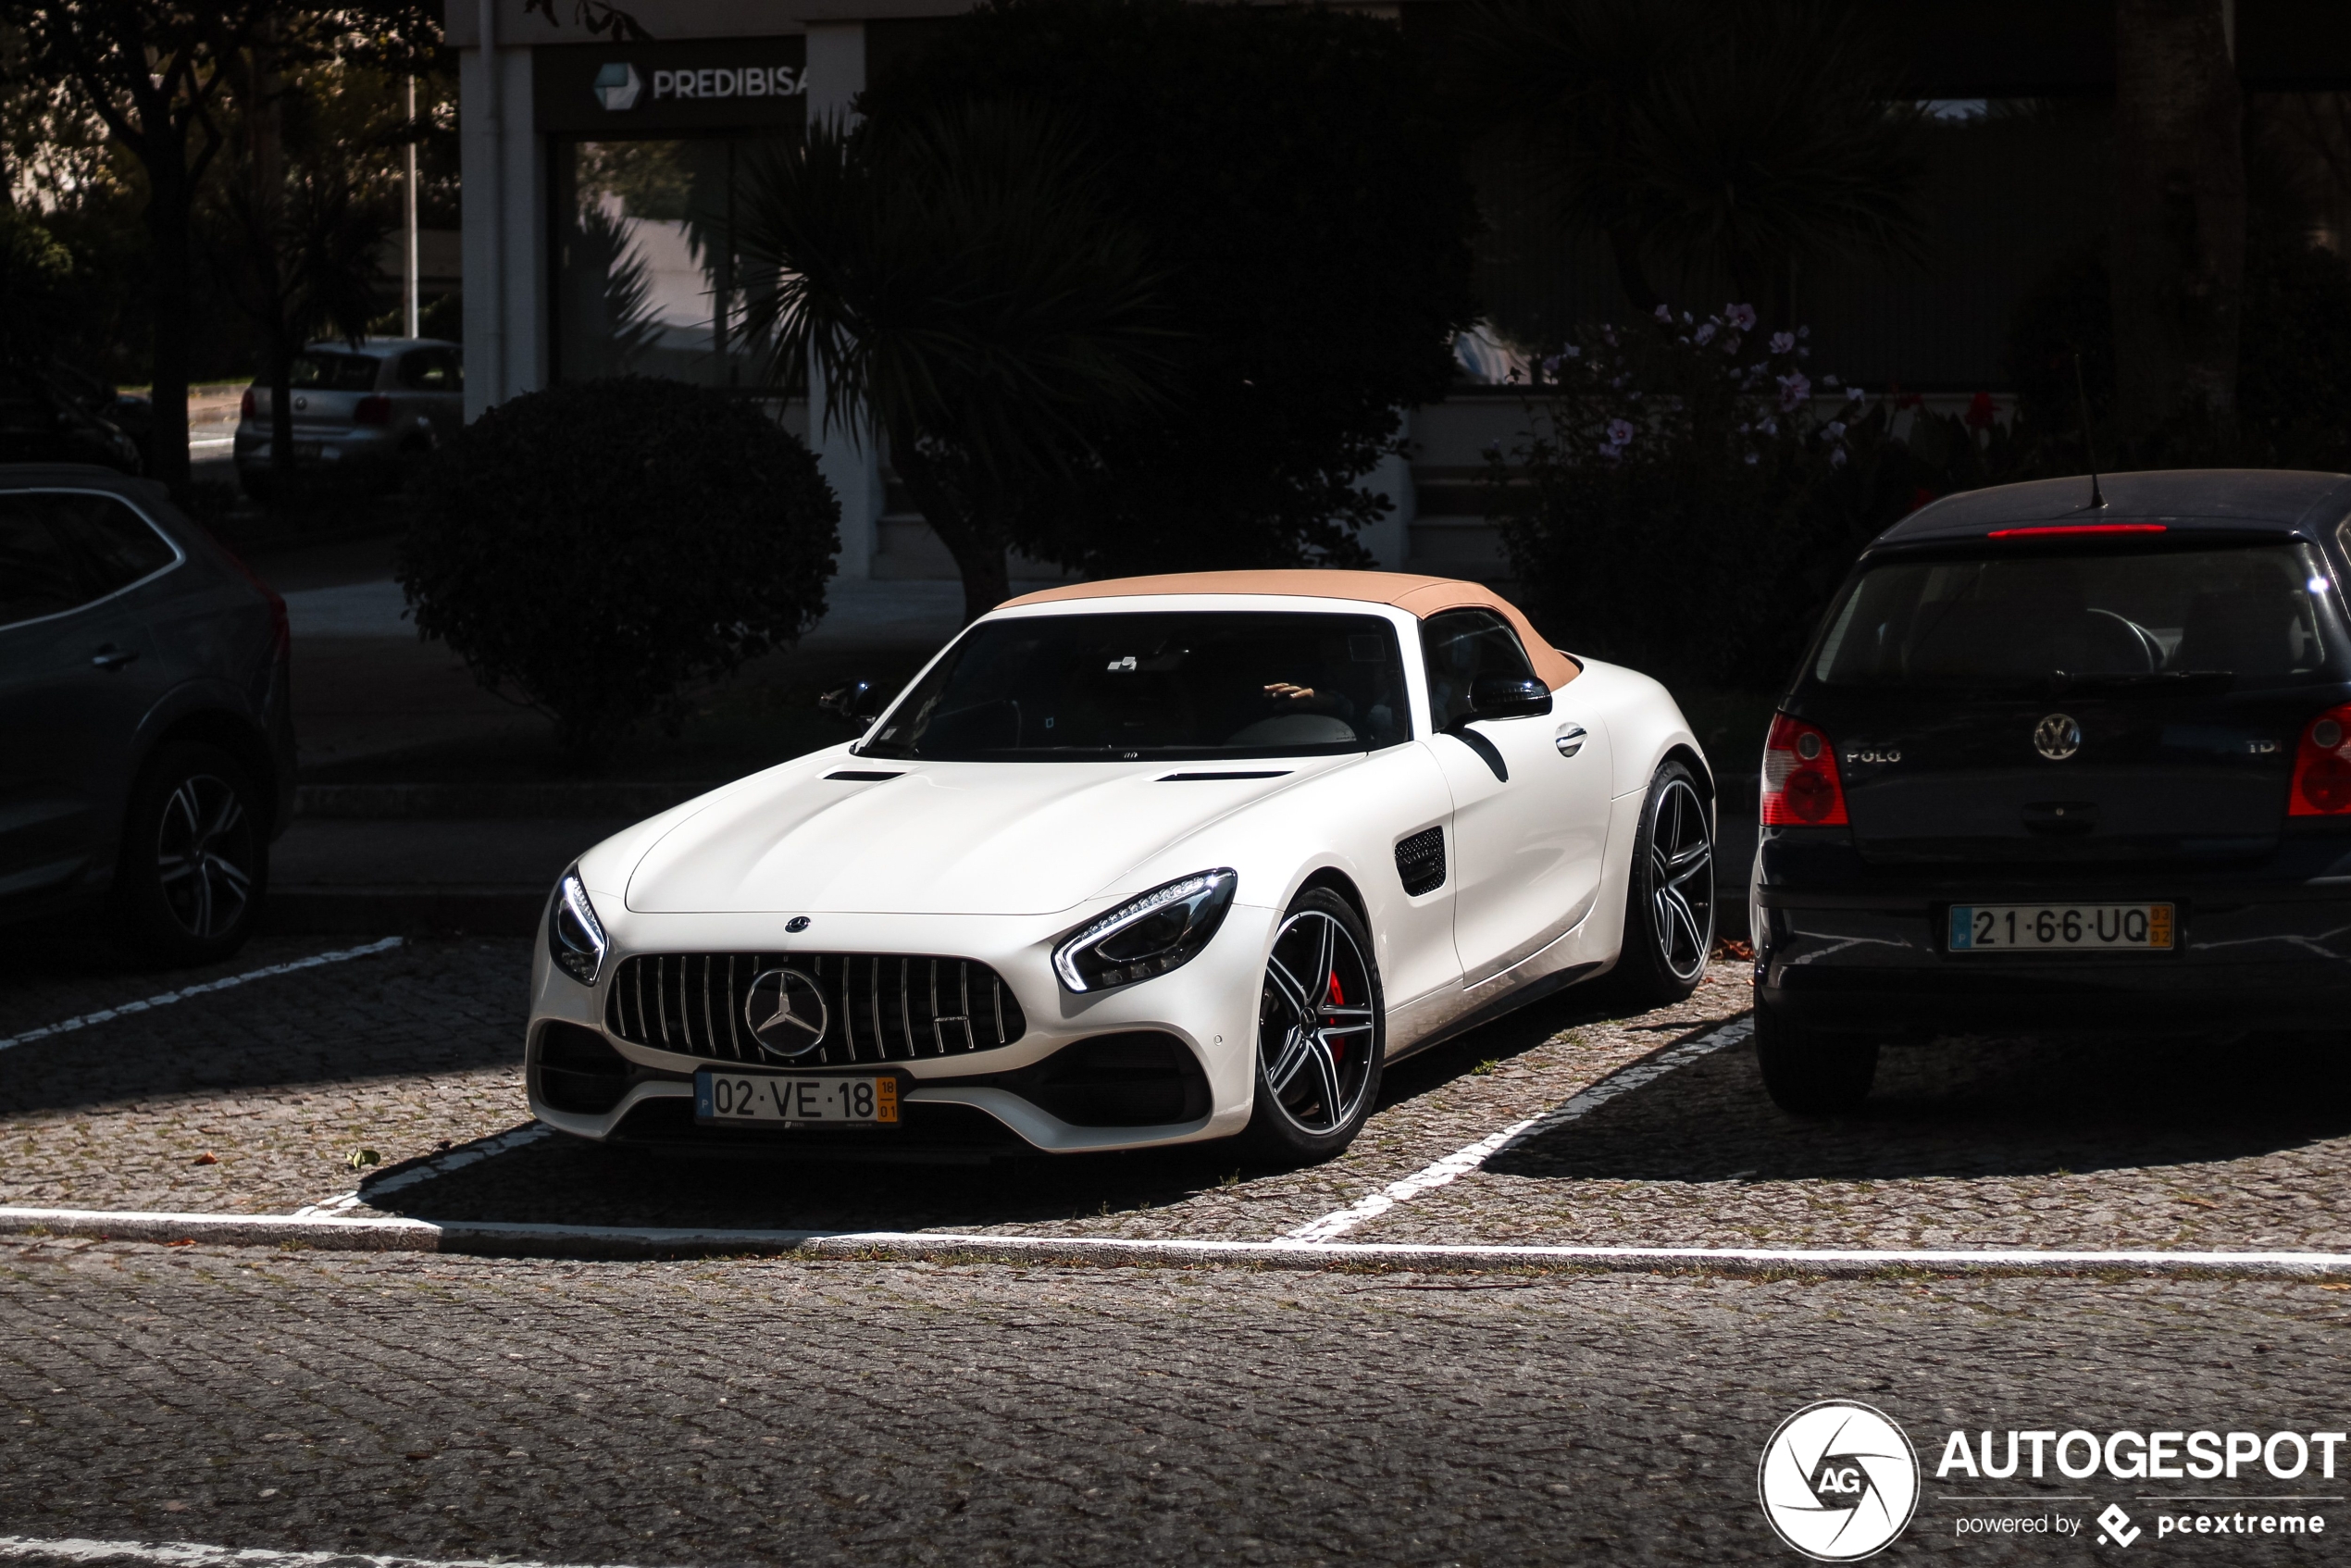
[(1730, 342), (1607, 336), (1572, 351), (1783, 341), (1804, 331), (1829, 382), (1740, 315), (1834, 430), (1551, 364), (1665, 314), (1705, 333), (1620, 433), (1837, 457), (1794, 390), (1854, 394), (1750, 460), (1769, 426)]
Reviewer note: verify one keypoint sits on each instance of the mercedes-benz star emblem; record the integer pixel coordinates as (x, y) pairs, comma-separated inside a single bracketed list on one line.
[(786, 1013), (2056, 737)]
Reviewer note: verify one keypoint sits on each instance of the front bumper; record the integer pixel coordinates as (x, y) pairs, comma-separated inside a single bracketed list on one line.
[(979, 1102), (1844, 946)]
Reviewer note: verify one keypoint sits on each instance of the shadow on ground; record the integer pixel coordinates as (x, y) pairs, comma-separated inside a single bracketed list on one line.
[(1968, 1108), (568, 1181)]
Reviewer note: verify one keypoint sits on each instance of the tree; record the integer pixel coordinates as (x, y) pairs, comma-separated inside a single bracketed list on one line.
[(157, 74), (1293, 184), (295, 239), (2178, 257), (962, 288), (1740, 134)]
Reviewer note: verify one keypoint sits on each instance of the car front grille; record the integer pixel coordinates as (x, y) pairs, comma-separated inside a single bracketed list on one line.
[(879, 1007)]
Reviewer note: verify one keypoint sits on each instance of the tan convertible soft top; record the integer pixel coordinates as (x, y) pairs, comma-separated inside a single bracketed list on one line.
[(1422, 596)]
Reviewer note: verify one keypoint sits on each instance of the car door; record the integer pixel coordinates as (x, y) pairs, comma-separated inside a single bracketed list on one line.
[(78, 674), (1530, 798)]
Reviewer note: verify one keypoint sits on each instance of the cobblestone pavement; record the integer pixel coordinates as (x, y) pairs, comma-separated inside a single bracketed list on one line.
[(280, 1081), (2237, 1143), (755, 1412)]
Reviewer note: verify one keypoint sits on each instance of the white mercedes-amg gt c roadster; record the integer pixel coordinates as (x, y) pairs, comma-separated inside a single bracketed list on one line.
[(1128, 864)]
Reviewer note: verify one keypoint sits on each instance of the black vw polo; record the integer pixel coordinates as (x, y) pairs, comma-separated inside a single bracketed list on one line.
[(2063, 762)]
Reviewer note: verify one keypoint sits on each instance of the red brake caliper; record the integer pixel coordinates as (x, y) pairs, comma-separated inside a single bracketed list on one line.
[(1337, 999)]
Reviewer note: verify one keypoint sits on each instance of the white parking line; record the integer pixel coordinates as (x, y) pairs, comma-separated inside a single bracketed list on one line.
[(188, 1554), (1464, 1161), (457, 1159), (573, 1241), (106, 1015)]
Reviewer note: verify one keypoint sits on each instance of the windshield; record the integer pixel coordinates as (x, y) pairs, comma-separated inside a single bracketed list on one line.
[(333, 372), (1170, 686), (2254, 615)]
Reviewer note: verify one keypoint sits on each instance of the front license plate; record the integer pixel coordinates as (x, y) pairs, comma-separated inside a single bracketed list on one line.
[(810, 1101), (2061, 928)]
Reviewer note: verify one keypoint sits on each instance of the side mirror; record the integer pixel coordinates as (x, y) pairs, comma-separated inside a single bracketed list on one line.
[(860, 702), (1508, 696)]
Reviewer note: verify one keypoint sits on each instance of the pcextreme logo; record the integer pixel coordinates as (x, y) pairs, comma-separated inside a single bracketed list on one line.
[(1838, 1481)]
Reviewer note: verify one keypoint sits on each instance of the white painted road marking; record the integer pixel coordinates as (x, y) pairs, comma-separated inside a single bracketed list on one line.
[(1464, 1161), (188, 1554), (455, 1160), (459, 1235), (106, 1015)]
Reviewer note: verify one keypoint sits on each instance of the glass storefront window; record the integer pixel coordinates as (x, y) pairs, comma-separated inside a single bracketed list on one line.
[(647, 281)]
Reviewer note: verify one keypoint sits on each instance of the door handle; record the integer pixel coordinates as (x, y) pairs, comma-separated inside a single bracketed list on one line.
[(1570, 740), (109, 658)]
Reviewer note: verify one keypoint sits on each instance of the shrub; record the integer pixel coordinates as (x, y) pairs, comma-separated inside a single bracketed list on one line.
[(597, 548), (1682, 506)]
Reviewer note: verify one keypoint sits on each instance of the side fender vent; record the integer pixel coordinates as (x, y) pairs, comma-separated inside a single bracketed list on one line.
[(1420, 861)]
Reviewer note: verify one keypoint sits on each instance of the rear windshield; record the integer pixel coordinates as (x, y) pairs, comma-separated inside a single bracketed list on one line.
[(1109, 687), (2255, 614), (335, 372)]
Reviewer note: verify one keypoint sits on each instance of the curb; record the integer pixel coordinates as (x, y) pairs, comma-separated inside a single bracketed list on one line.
[(409, 802), (359, 909), (490, 1239)]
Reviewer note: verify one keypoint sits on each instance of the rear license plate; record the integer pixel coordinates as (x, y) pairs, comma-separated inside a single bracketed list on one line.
[(2061, 928), (306, 449), (796, 1102)]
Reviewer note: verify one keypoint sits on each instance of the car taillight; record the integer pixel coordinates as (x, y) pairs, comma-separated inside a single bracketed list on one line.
[(1800, 786), (2322, 766), (372, 410), (245, 404)]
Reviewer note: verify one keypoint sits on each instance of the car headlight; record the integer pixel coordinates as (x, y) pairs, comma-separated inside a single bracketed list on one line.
[(575, 937), (1162, 930)]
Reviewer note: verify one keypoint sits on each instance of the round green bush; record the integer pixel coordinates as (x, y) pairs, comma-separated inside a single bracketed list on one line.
[(600, 547)]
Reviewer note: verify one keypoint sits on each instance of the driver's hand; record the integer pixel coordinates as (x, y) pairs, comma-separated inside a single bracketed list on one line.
[(1283, 688)]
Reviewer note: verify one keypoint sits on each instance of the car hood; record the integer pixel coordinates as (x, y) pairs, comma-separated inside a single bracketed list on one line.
[(938, 837)]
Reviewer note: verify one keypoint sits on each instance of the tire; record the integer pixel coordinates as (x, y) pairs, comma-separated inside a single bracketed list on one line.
[(196, 858), (1810, 1074), (1669, 908), (1322, 1028)]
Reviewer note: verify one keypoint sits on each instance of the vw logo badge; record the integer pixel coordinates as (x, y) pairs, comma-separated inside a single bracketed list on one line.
[(786, 1013), (2056, 737)]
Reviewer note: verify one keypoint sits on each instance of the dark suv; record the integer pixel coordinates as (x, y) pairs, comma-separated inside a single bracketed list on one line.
[(2056, 765), (146, 742)]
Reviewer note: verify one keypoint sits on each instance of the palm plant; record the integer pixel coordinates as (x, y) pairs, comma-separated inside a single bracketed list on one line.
[(1738, 135), (958, 285)]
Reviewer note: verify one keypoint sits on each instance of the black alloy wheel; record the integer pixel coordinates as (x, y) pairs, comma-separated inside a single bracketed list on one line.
[(1321, 1030), (194, 858), (1669, 913)]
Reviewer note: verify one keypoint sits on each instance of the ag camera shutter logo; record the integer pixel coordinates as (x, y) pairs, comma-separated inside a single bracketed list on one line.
[(1838, 1481)]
